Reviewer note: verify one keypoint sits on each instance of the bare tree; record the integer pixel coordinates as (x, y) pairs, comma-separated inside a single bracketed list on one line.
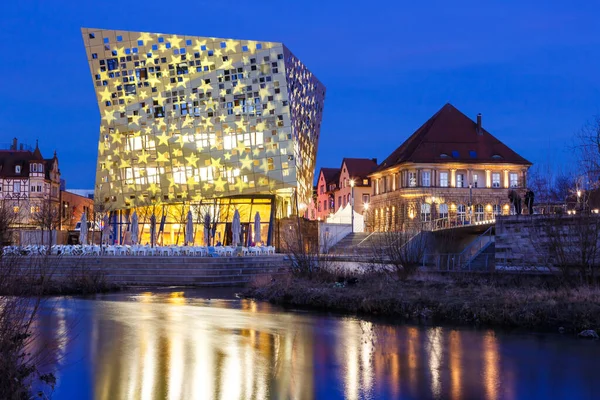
[(401, 252), (570, 244), (46, 216), (7, 220), (587, 147)]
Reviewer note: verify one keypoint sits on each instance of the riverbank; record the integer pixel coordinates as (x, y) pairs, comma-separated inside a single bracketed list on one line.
[(508, 302)]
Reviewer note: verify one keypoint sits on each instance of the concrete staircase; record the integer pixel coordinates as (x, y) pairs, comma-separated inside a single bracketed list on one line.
[(348, 244)]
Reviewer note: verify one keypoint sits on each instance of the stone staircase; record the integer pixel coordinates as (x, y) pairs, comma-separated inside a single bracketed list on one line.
[(348, 244)]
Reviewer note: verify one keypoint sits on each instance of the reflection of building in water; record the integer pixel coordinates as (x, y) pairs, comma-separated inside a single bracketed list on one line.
[(455, 364), (491, 365), (173, 352)]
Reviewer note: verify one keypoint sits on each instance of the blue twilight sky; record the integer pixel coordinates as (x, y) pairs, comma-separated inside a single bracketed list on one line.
[(530, 67)]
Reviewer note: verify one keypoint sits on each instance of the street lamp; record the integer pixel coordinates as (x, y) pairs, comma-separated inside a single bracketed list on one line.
[(352, 203)]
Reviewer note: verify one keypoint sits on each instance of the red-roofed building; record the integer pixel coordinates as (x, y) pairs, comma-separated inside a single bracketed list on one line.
[(355, 171), (450, 171), (327, 185), (27, 180)]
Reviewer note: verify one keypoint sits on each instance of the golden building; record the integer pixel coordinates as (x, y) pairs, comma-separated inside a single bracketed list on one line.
[(450, 172), (189, 121)]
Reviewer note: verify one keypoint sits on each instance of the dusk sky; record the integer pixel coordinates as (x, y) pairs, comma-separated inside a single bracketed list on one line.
[(531, 68)]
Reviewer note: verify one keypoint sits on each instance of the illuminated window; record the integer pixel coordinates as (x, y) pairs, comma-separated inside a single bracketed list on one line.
[(412, 179), (17, 169), (365, 182), (460, 180), (425, 212), (496, 180), (475, 180), (461, 212), (514, 180), (17, 187), (479, 212), (443, 179), (16, 209), (426, 178)]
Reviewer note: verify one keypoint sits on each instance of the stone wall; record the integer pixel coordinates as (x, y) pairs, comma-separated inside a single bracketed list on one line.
[(546, 240)]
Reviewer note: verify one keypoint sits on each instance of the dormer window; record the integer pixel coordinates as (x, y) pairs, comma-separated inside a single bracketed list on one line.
[(444, 155), (497, 157), (17, 169), (34, 167)]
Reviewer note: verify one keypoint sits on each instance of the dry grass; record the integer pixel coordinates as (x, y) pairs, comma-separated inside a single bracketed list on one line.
[(532, 303)]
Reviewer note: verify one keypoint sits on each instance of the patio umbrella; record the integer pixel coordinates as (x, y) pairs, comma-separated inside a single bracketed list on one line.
[(189, 229), (207, 229), (105, 229), (153, 230), (135, 228), (257, 229), (236, 228), (83, 229)]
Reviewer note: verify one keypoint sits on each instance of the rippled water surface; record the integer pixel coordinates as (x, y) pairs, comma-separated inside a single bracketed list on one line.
[(180, 344)]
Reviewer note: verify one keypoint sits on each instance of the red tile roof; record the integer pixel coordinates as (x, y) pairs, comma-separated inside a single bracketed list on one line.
[(451, 136), (360, 167)]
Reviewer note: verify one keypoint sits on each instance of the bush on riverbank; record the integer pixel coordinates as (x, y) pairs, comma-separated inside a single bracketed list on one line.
[(495, 301)]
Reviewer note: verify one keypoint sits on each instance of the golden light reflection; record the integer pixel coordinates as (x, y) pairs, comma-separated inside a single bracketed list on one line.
[(435, 353), (177, 298), (491, 365), (413, 338), (455, 364)]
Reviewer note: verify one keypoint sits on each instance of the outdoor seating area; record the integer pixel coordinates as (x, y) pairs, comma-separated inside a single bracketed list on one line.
[(139, 250)]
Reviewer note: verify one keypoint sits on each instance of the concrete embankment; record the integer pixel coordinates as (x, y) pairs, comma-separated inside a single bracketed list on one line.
[(161, 271)]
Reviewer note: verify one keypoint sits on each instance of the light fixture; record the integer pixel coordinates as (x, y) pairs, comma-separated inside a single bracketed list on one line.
[(351, 182), (366, 206)]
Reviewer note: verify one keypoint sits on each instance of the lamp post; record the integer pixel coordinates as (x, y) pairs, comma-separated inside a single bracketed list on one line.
[(470, 203), (352, 204)]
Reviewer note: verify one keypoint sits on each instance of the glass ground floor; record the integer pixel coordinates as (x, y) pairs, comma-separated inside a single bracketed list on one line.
[(211, 221)]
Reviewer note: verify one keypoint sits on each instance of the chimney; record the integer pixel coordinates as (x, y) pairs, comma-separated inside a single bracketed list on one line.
[(21, 147), (479, 130), (14, 144), (374, 160)]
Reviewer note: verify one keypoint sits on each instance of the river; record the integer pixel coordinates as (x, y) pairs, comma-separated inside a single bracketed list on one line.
[(206, 344)]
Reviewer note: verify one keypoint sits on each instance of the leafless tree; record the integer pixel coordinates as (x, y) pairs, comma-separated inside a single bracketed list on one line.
[(46, 215), (401, 252), (587, 147), (569, 243)]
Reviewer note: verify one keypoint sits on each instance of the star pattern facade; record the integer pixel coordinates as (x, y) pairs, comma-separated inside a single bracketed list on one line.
[(186, 118)]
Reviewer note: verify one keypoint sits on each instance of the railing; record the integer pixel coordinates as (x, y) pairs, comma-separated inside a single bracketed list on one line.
[(454, 222), (462, 261)]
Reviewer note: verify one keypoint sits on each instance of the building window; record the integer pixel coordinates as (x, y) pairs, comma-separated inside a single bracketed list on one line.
[(412, 179), (460, 180), (497, 209), (479, 212), (514, 180), (496, 180), (475, 180), (366, 182), (425, 212), (366, 198), (339, 201), (319, 207), (461, 212), (322, 189), (16, 209), (426, 178), (17, 187), (17, 169), (443, 210), (443, 179)]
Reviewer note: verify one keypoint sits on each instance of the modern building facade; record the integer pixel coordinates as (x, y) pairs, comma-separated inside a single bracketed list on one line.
[(203, 124), (29, 185), (450, 172)]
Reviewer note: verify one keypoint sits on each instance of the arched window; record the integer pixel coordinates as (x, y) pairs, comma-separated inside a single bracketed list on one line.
[(425, 212), (461, 213), (479, 212)]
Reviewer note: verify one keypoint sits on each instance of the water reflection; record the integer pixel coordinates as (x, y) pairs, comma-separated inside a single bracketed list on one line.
[(170, 346)]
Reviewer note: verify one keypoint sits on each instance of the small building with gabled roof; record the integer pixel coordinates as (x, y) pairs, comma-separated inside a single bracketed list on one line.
[(450, 171)]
